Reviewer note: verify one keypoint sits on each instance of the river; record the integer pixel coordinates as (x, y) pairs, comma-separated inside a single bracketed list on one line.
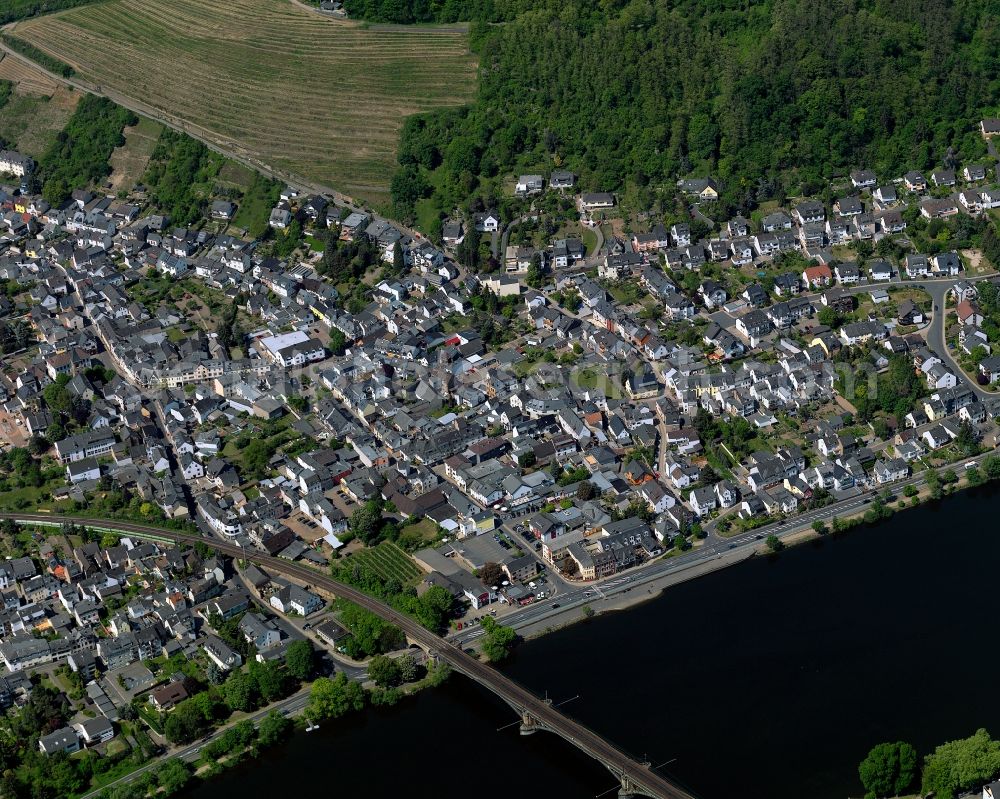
[(771, 678)]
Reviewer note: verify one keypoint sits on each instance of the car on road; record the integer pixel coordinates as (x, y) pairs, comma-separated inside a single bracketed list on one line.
[(732, 546), (556, 605)]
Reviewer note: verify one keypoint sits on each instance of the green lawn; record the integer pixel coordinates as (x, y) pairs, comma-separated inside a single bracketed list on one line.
[(427, 215), (626, 293), (259, 197), (592, 377), (416, 536), (316, 245)]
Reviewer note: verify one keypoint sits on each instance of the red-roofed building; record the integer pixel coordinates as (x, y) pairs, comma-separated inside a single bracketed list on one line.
[(969, 314), (817, 276)]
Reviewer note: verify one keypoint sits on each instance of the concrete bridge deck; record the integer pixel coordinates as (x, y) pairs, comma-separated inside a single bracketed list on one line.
[(635, 778)]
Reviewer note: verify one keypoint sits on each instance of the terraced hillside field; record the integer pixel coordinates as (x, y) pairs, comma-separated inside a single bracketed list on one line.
[(38, 109), (303, 93)]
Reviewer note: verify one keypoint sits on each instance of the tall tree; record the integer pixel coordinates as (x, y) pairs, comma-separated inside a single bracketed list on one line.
[(889, 769)]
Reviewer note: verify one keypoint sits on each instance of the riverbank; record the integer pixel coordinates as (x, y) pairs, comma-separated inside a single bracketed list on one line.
[(819, 653), (619, 592), (838, 643), (642, 590)]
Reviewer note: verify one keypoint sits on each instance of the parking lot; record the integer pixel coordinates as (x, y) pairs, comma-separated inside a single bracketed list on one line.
[(520, 531)]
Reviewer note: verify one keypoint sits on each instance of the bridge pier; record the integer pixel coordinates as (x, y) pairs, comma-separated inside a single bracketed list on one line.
[(528, 725), (628, 789)]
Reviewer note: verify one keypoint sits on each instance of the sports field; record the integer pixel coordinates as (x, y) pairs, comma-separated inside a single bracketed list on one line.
[(317, 97)]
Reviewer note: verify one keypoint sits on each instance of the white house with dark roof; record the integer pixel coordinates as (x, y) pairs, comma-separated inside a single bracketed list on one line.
[(63, 740)]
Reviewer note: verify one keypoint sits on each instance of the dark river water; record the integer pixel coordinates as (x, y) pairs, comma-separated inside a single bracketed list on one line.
[(772, 678)]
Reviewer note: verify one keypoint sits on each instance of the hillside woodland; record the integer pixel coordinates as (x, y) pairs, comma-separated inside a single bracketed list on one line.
[(769, 96)]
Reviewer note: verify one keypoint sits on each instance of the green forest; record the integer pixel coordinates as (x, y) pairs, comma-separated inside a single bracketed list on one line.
[(769, 96), (79, 155), (178, 168)]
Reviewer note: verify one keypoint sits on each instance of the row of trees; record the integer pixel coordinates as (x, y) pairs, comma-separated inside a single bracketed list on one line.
[(891, 769), (13, 10), (331, 698), (36, 54)]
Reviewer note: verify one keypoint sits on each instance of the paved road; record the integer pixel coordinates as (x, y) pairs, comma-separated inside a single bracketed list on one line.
[(505, 236), (690, 564), (638, 777), (292, 706), (937, 342)]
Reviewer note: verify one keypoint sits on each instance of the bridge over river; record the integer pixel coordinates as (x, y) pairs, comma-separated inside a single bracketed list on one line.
[(634, 778)]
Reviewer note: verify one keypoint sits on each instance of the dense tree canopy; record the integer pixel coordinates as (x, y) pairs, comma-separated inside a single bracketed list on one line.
[(12, 10), (889, 769), (768, 95), (498, 641), (79, 155), (274, 728), (177, 168), (300, 660), (965, 763), (332, 698)]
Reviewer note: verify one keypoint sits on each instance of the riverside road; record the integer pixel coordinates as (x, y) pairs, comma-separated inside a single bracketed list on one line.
[(633, 776), (717, 552)]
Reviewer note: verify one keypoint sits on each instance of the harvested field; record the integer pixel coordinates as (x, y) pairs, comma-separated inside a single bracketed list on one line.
[(28, 80), (38, 109), (128, 162), (316, 97)]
